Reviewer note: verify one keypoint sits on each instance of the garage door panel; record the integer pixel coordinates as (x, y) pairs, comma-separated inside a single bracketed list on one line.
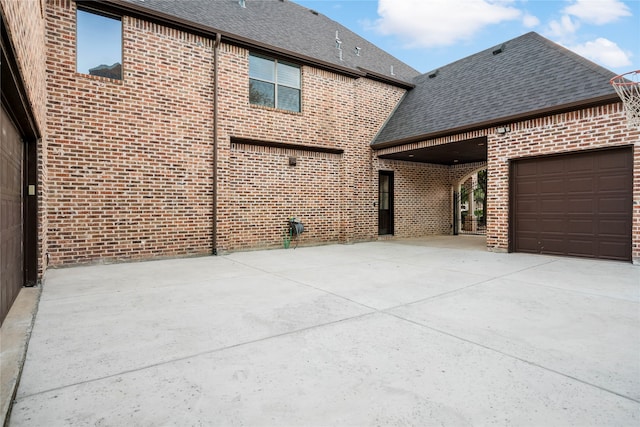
[(11, 236), (552, 166), (580, 184), (611, 161), (527, 169), (528, 206), (614, 227), (552, 206), (614, 250), (528, 244), (527, 187), (581, 226), (553, 225), (612, 182), (580, 247), (611, 205), (580, 164), (582, 203), (528, 225), (549, 244), (551, 186), (579, 205)]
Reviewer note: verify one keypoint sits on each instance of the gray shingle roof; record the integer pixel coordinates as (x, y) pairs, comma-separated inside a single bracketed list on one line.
[(285, 26), (530, 74)]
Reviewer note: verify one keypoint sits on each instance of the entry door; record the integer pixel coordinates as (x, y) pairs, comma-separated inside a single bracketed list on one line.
[(385, 203), (11, 254)]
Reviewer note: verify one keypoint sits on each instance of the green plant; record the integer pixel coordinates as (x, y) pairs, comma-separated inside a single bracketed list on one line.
[(287, 235)]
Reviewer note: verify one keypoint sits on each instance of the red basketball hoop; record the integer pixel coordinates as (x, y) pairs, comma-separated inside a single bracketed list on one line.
[(628, 88)]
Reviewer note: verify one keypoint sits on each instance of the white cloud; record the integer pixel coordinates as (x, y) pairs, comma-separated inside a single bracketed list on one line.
[(598, 12), (564, 28), (441, 22), (604, 52), (530, 21)]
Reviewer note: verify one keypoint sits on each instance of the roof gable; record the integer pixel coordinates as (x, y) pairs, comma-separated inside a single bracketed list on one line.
[(287, 27), (525, 75)]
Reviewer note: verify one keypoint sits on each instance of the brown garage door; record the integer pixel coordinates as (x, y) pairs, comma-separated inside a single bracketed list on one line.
[(11, 252), (577, 204)]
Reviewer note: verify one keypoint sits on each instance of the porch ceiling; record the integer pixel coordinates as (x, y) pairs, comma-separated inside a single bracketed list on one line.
[(454, 153)]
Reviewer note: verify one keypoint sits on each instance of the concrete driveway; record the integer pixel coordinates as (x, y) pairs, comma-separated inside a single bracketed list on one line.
[(383, 333)]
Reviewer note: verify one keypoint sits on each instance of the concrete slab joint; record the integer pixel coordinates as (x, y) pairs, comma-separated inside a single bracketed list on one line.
[(381, 333)]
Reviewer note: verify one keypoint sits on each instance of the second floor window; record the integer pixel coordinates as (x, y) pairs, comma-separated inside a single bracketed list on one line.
[(98, 45), (273, 83)]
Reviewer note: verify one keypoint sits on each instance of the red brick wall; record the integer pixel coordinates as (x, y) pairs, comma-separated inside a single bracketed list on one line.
[(373, 109), (457, 175), (423, 195), (332, 194), (25, 20), (266, 191), (422, 198), (587, 129), (424, 192), (130, 162)]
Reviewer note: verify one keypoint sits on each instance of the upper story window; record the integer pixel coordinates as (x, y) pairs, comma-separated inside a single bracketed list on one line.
[(274, 83), (98, 45)]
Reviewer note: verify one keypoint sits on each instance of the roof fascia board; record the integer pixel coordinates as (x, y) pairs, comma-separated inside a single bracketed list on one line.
[(579, 105), (120, 6), (385, 79), (306, 60)]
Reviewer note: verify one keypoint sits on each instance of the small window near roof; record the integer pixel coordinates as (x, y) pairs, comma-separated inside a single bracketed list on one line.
[(98, 45), (273, 83)]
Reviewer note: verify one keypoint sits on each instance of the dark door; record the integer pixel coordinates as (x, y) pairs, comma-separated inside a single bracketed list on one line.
[(11, 219), (577, 204), (385, 203)]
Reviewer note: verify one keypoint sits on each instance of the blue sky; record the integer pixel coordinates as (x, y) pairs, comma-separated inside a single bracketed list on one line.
[(99, 41), (428, 34)]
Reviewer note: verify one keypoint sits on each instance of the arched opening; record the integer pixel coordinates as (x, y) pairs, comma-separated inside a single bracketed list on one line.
[(470, 203)]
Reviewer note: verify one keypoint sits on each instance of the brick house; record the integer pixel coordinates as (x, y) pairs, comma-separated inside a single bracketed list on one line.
[(23, 147), (220, 120)]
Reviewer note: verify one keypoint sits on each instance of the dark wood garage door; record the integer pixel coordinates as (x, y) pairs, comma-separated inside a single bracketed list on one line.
[(11, 219), (577, 204)]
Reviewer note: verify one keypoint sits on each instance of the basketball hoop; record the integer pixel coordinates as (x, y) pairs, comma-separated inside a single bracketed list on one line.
[(628, 88)]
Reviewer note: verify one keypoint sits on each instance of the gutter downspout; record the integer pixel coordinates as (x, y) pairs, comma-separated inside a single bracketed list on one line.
[(214, 224)]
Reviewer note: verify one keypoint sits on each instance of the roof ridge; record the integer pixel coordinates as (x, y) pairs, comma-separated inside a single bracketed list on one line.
[(477, 54), (526, 76), (572, 55), (348, 30), (280, 27), (536, 36)]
